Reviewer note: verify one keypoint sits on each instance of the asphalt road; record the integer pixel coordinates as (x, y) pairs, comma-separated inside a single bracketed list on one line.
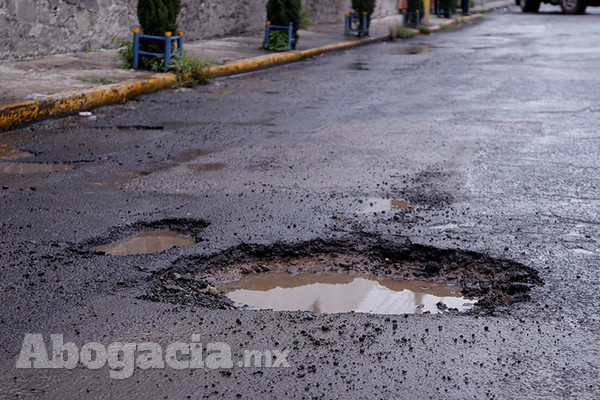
[(489, 131)]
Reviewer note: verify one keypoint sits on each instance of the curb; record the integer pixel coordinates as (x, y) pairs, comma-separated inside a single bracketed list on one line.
[(70, 103)]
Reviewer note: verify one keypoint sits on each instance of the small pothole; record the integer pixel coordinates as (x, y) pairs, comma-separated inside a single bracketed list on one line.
[(144, 243)]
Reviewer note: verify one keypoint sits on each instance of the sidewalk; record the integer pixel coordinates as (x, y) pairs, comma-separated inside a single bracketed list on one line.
[(39, 79)]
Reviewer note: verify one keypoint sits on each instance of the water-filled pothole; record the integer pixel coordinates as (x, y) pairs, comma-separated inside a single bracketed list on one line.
[(342, 292), (144, 243), (377, 205), (14, 154), (392, 260), (414, 49), (31, 168), (206, 167)]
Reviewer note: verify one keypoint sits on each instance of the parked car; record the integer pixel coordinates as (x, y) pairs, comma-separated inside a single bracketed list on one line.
[(568, 6)]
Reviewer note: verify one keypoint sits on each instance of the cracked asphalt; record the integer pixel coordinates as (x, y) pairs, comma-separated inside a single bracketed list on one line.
[(489, 131)]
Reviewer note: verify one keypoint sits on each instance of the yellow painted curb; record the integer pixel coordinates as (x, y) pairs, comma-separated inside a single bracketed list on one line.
[(453, 21), (60, 104)]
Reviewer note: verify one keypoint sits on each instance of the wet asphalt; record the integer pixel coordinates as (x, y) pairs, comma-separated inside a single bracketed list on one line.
[(489, 131)]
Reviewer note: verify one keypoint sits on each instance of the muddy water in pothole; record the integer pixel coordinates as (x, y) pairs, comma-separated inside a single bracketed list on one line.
[(149, 242), (206, 167), (14, 154), (375, 204), (31, 168), (342, 292)]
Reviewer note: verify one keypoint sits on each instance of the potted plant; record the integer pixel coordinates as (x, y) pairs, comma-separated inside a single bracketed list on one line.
[(282, 13), (364, 6)]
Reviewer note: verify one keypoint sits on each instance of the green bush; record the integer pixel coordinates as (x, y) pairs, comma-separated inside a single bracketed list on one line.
[(157, 17), (278, 41), (362, 6), (445, 6), (282, 12)]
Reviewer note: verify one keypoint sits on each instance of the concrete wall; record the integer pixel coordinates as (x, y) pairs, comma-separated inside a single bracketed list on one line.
[(34, 28)]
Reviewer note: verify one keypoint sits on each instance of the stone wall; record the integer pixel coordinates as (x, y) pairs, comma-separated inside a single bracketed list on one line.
[(34, 28)]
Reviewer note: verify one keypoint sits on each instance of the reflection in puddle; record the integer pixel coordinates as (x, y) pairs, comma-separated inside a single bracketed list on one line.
[(376, 204), (118, 178), (338, 293), (31, 168), (206, 167), (150, 242), (222, 93), (14, 154)]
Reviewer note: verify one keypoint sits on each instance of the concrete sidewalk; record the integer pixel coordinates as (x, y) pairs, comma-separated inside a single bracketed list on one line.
[(41, 80)]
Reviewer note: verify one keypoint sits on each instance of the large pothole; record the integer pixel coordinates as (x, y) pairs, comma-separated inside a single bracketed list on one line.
[(467, 277)]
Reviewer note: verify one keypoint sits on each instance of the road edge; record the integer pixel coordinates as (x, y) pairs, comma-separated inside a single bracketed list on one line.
[(16, 114)]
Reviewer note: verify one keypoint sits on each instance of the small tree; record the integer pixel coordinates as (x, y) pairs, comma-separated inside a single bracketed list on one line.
[(282, 12), (362, 6), (413, 6), (157, 17)]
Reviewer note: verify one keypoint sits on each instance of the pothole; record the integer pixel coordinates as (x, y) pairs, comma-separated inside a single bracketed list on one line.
[(206, 167), (145, 237), (14, 154), (390, 271), (144, 243), (31, 168), (360, 66), (414, 49), (342, 292), (378, 205)]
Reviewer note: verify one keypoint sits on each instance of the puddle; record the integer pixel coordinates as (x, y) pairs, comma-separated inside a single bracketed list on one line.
[(193, 154), (341, 292), (376, 204), (414, 49), (31, 168), (221, 93), (150, 242), (271, 92), (398, 69), (14, 154), (206, 167), (360, 66)]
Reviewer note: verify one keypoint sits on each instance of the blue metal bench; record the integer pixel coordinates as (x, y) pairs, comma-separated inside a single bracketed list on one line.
[(167, 40)]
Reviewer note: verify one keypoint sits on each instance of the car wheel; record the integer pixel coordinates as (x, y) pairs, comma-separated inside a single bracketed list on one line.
[(573, 6), (530, 6)]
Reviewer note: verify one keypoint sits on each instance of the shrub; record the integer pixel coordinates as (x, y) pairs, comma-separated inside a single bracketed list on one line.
[(157, 17), (413, 6), (282, 12), (278, 41), (400, 32), (424, 29), (362, 6), (445, 6)]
